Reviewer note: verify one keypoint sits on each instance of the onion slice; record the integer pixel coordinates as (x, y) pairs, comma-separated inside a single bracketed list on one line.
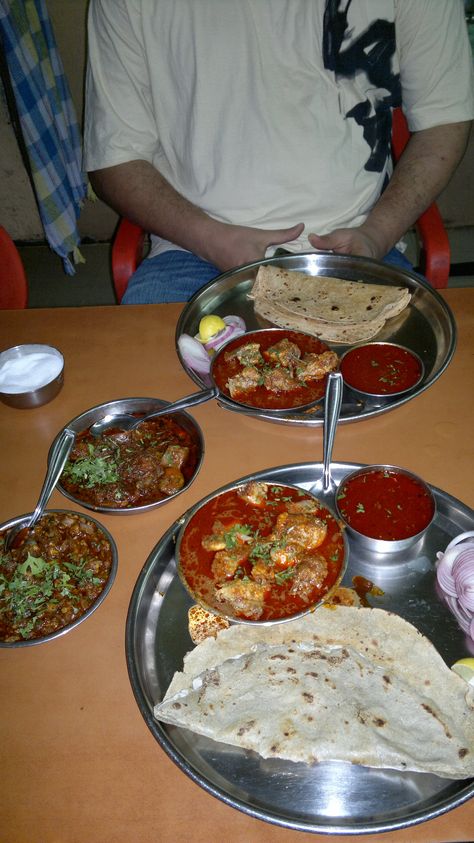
[(194, 354), (455, 575)]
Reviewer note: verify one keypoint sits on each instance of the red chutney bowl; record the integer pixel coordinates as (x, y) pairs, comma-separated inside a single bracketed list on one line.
[(381, 371), (385, 509)]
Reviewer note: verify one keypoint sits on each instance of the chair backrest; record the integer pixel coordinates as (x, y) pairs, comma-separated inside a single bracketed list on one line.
[(127, 254), (13, 282)]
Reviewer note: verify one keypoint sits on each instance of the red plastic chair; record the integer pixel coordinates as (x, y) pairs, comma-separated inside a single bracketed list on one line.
[(13, 283), (435, 256)]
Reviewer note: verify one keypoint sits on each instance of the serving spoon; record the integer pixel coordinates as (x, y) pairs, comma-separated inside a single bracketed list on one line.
[(61, 449), (325, 487), (127, 421)]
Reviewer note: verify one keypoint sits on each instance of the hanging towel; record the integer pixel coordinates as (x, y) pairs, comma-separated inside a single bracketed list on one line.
[(49, 127)]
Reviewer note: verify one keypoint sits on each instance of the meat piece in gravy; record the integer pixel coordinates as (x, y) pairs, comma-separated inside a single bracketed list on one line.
[(243, 596), (226, 562), (279, 380), (249, 378), (310, 574), (315, 366), (171, 481), (248, 355), (300, 528), (283, 353), (175, 455), (254, 492)]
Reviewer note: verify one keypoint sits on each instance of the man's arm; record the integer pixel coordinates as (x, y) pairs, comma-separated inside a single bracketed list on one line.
[(138, 191), (423, 171)]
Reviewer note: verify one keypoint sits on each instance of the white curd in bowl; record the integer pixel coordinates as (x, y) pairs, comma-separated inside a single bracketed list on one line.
[(25, 374)]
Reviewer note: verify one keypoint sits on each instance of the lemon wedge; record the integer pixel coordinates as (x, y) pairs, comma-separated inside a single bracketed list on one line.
[(465, 669), (209, 326)]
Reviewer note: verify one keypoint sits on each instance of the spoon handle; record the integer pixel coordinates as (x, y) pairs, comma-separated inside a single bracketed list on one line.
[(182, 403), (59, 454), (332, 409)]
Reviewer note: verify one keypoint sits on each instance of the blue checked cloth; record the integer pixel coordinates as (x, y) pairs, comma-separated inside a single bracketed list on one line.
[(48, 122)]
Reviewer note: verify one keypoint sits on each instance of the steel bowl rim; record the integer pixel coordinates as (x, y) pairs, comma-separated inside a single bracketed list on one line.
[(105, 407), (12, 522), (387, 546), (189, 515)]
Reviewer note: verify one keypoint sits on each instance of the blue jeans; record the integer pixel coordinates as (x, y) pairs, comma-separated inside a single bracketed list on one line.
[(177, 275)]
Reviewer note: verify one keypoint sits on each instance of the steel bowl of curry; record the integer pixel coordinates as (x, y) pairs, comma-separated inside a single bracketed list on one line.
[(381, 372), (55, 578), (386, 509), (273, 369), (125, 472), (260, 553)]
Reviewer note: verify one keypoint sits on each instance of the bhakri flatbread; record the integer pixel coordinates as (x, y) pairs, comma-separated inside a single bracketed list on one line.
[(343, 334), (332, 308), (343, 684)]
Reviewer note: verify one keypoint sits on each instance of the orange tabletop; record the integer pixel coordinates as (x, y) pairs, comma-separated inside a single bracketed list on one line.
[(79, 764)]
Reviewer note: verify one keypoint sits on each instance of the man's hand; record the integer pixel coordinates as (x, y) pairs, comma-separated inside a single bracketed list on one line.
[(347, 241), (233, 245), (137, 190), (428, 162)]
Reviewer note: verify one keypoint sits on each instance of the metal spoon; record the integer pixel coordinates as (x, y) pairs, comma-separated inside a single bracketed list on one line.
[(16, 535), (325, 488), (126, 421)]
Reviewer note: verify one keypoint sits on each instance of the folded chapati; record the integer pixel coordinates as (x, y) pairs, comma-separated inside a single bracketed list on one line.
[(346, 684), (334, 309)]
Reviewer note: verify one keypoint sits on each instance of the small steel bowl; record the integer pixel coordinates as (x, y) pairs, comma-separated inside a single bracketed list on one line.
[(220, 610), (381, 545), (108, 585), (133, 405), (38, 394), (384, 396)]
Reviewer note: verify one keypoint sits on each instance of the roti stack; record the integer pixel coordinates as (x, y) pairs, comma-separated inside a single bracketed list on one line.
[(342, 684), (332, 309)]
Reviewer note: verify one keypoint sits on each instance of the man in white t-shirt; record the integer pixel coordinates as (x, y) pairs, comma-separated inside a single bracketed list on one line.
[(228, 128)]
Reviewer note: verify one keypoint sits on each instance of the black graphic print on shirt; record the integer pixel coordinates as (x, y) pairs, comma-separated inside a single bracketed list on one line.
[(370, 53)]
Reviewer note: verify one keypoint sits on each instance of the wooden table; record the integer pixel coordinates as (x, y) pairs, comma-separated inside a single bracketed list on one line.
[(79, 765)]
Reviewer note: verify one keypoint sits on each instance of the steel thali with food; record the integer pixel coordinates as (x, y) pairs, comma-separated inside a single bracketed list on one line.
[(426, 326), (330, 797)]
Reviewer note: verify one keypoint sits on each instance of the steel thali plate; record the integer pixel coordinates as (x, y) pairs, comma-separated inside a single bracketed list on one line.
[(426, 326), (325, 798)]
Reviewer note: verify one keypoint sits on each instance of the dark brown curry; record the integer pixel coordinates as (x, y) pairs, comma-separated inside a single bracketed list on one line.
[(123, 469)]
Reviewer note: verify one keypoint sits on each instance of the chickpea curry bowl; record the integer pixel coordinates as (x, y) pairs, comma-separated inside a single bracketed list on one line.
[(127, 471), (54, 578), (260, 552)]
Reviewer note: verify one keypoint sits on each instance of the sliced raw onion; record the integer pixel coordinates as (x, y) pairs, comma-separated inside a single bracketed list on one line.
[(236, 321), (235, 327), (194, 354), (455, 575), (463, 575)]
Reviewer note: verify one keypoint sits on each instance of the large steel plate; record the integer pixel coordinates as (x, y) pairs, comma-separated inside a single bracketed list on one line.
[(426, 326), (326, 798)]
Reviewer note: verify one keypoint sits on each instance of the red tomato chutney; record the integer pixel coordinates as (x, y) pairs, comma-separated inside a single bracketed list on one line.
[(261, 552), (381, 368), (385, 504), (257, 370)]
